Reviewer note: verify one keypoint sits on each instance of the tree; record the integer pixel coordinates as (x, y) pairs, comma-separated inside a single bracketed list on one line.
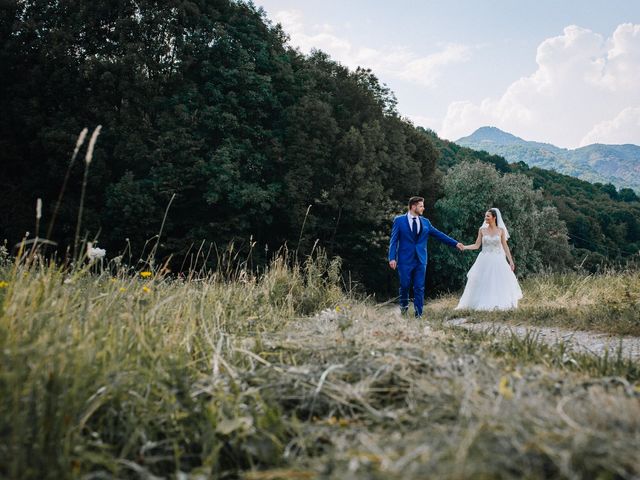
[(628, 195)]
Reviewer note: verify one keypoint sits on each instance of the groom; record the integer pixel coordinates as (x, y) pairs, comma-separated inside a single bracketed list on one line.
[(408, 252)]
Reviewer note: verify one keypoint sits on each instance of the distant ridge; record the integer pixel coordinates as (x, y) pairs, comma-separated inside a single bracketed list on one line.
[(493, 135), (616, 164)]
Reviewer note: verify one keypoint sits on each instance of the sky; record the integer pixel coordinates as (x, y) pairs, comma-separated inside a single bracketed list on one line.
[(565, 72)]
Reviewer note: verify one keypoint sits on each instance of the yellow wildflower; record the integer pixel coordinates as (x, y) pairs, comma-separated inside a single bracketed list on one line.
[(3, 284), (342, 422), (122, 289), (504, 389), (145, 274), (146, 289)]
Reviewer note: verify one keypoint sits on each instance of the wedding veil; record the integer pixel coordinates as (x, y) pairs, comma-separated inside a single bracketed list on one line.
[(499, 223)]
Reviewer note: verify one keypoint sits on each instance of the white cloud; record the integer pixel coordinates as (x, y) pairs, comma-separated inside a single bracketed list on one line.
[(427, 70), (623, 59), (581, 82), (396, 62), (624, 128), (424, 121)]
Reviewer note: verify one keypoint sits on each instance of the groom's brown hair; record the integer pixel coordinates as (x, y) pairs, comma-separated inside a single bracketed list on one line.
[(415, 200)]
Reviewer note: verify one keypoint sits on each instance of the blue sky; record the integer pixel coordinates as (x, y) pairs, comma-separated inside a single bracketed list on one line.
[(565, 72)]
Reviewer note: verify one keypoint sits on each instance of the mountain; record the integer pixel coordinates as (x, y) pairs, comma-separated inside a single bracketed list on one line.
[(616, 164)]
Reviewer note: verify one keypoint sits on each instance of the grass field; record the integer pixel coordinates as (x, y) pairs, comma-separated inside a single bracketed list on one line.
[(284, 376), (608, 303)]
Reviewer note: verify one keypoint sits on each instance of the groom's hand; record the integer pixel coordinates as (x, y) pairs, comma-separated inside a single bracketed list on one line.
[(393, 264), (460, 246)]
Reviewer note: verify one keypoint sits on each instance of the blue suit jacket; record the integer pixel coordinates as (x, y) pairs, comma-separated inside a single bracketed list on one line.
[(404, 246)]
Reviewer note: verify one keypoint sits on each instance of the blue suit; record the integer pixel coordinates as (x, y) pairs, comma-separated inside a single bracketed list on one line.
[(410, 252)]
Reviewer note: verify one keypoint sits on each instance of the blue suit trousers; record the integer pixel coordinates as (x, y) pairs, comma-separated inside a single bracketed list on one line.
[(412, 273)]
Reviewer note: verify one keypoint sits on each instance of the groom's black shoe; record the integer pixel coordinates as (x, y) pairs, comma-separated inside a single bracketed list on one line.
[(404, 311)]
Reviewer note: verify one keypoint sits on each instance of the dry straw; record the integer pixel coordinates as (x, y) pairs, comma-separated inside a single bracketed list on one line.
[(38, 215), (79, 143), (87, 159)]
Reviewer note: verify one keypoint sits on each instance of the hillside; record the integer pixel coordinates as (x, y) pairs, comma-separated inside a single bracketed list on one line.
[(615, 164), (235, 129), (251, 143)]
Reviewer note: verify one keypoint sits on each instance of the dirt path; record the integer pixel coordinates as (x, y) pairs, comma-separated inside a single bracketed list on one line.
[(581, 341), (390, 328)]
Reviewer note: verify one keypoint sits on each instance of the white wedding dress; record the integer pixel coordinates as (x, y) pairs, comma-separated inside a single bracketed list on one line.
[(491, 285)]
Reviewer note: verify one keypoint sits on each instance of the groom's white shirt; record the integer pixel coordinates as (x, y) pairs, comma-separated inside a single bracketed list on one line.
[(410, 219)]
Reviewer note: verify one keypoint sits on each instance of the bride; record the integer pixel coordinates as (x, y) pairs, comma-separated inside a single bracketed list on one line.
[(491, 283)]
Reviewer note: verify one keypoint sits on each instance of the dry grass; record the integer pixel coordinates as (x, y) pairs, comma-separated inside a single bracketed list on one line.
[(100, 373), (128, 377), (608, 303)]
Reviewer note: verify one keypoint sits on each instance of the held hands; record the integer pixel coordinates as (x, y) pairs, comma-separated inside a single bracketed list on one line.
[(394, 264)]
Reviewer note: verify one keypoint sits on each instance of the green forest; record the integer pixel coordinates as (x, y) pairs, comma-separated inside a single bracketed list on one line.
[(258, 145)]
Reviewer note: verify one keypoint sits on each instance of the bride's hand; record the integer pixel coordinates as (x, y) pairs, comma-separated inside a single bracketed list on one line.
[(513, 266)]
